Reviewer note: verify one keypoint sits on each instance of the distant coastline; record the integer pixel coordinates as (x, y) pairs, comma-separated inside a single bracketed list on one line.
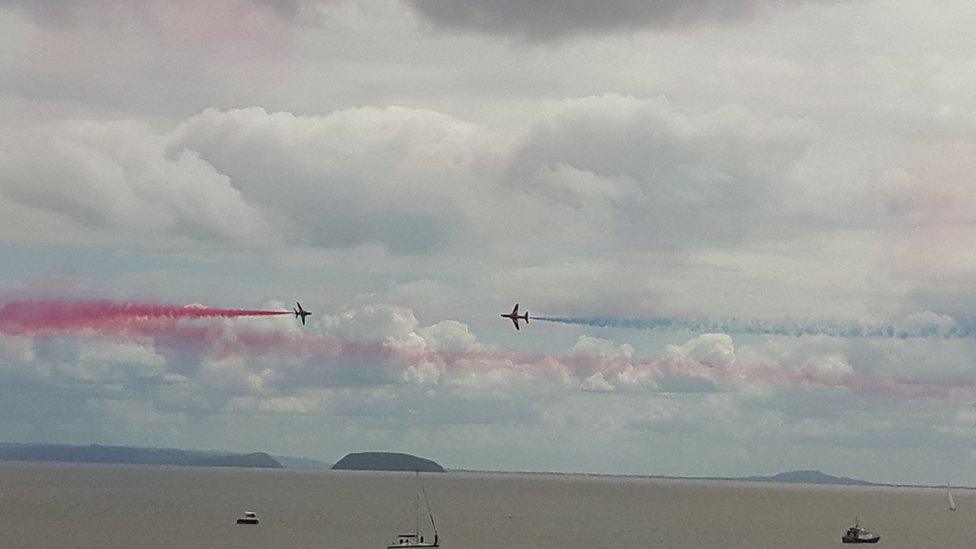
[(94, 453), (362, 461), (789, 477)]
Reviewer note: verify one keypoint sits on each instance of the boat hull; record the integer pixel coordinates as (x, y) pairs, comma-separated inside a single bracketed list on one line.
[(247, 521), (861, 540)]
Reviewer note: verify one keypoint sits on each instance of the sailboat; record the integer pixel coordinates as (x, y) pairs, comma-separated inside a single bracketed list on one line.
[(952, 501), (415, 538)]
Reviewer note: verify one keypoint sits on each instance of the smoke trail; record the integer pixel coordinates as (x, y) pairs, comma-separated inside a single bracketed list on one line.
[(318, 359), (945, 330), (32, 316)]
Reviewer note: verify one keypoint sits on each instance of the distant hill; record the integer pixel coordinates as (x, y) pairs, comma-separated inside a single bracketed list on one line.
[(302, 463), (386, 461), (256, 459), (127, 454), (808, 477)]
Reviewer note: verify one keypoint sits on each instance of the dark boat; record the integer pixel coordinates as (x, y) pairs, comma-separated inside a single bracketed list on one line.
[(250, 517), (856, 534)]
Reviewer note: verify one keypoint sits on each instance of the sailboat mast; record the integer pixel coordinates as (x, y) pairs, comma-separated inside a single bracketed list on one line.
[(429, 512)]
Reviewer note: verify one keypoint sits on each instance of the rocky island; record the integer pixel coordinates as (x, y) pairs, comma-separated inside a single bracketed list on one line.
[(386, 461)]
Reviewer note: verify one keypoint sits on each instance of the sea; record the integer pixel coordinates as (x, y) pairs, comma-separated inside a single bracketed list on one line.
[(107, 506)]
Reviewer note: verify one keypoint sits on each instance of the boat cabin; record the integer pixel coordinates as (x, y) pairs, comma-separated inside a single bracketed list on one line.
[(250, 517), (413, 540)]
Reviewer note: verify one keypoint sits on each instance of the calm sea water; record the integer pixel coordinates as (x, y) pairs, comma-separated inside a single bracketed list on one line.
[(52, 505)]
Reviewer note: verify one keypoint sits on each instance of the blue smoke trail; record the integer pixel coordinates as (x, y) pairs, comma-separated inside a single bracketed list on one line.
[(787, 328)]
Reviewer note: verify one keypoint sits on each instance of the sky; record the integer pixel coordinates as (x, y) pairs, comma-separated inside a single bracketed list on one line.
[(409, 169)]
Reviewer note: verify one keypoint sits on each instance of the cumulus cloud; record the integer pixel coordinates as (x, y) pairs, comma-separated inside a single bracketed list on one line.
[(413, 181), (371, 323), (117, 175), (397, 176), (707, 349), (587, 346), (596, 383), (449, 335), (668, 175)]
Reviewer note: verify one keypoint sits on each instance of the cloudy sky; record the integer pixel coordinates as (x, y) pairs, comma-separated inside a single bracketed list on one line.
[(409, 169)]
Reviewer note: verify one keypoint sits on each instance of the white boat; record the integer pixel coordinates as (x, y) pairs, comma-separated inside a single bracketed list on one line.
[(415, 538), (250, 517), (856, 534), (952, 501)]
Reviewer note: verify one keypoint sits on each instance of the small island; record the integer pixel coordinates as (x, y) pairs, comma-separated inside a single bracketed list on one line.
[(808, 477), (386, 461)]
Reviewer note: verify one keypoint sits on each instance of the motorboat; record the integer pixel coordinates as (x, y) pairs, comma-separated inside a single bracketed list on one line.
[(250, 517), (856, 534)]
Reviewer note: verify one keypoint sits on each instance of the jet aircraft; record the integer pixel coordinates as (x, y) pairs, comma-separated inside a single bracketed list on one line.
[(299, 312), (515, 317)]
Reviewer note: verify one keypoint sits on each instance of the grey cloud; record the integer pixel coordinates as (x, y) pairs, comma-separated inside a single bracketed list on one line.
[(548, 19), (66, 13), (55, 13), (668, 175), (396, 176)]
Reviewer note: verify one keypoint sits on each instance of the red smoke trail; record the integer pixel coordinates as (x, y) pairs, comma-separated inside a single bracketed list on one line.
[(33, 316), (315, 354)]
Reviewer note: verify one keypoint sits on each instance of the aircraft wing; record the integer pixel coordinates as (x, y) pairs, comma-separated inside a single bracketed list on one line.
[(515, 321)]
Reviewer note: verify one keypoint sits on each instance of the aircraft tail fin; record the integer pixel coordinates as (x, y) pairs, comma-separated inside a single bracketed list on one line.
[(526, 317)]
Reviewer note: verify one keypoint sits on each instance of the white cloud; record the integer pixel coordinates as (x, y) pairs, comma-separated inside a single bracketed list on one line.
[(667, 174), (449, 335), (830, 368), (371, 323), (596, 347), (707, 349), (596, 383), (118, 176), (413, 181), (423, 373), (402, 177)]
